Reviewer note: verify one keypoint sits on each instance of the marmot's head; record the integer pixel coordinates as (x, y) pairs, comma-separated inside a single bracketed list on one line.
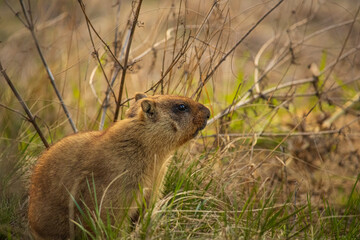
[(170, 117)]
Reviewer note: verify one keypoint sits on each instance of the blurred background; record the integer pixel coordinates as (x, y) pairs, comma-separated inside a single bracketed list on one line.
[(291, 87)]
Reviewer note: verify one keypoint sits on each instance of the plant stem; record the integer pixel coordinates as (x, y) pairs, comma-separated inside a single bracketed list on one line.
[(31, 117), (122, 82), (198, 90), (31, 28)]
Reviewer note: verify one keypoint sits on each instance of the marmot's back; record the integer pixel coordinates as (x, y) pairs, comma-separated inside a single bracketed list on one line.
[(131, 153)]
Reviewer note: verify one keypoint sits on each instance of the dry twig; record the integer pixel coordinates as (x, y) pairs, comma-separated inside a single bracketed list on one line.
[(122, 82), (31, 118), (209, 75), (29, 24)]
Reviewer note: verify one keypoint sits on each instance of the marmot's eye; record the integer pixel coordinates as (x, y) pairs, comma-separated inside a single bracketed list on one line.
[(182, 107)]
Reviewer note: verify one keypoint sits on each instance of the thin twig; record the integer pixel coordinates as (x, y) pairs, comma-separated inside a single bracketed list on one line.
[(342, 48), (248, 97), (284, 139), (30, 25), (233, 49), (15, 111), (122, 82), (116, 68), (256, 63), (182, 51), (30, 117), (282, 55), (340, 111), (217, 50), (105, 102), (174, 47), (16, 14), (272, 134), (96, 54), (184, 48), (82, 5), (117, 19)]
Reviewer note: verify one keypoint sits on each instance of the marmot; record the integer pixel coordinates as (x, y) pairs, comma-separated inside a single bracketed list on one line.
[(128, 156)]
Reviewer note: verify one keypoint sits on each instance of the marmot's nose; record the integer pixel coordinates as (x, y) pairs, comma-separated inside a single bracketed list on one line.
[(207, 113), (204, 110)]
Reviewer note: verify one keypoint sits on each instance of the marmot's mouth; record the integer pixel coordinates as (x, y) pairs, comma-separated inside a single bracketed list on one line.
[(196, 133), (203, 125), (200, 128)]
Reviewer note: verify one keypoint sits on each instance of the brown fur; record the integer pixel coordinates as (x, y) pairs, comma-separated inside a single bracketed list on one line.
[(131, 153)]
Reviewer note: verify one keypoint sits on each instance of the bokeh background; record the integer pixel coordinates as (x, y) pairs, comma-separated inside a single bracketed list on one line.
[(292, 86)]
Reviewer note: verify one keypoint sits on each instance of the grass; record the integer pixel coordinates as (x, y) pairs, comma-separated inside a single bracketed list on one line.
[(280, 156), (197, 208)]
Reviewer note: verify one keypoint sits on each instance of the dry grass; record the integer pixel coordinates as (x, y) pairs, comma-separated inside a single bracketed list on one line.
[(283, 92)]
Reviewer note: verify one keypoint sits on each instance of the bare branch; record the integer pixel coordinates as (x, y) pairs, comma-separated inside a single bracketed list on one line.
[(96, 55), (122, 82), (115, 73), (282, 56), (340, 111), (272, 134), (256, 63), (30, 118), (82, 5), (105, 102), (181, 52), (233, 49), (16, 14), (285, 138), (15, 111), (343, 47), (248, 97), (31, 27)]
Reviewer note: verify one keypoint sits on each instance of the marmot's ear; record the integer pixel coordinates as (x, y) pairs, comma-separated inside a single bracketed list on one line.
[(148, 106), (139, 96)]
